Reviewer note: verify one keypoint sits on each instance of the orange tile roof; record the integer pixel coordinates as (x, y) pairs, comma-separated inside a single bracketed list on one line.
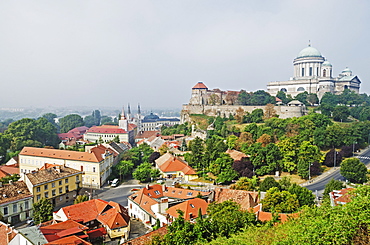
[(148, 196), (144, 239), (236, 155), (341, 196), (110, 129), (174, 164), (147, 134), (267, 216), (69, 240), (200, 85), (93, 156), (190, 208), (56, 231), (9, 169), (6, 233), (246, 199), (108, 213), (51, 173), (15, 191)]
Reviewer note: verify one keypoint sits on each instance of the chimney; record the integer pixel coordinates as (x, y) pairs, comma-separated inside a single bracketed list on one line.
[(10, 182), (147, 186), (164, 187), (82, 168)]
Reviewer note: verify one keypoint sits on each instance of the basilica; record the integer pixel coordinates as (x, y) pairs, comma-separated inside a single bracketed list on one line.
[(314, 74)]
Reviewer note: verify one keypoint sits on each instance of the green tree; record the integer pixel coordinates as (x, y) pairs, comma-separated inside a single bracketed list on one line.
[(268, 183), (144, 172), (51, 118), (332, 185), (304, 195), (256, 116), (4, 146), (312, 99), (227, 218), (80, 198), (307, 155), (341, 113), (280, 201), (42, 211), (106, 120), (69, 122), (195, 159), (354, 170), (125, 168)]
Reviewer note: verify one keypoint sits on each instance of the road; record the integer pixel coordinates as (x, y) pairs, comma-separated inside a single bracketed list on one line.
[(117, 194), (319, 184)]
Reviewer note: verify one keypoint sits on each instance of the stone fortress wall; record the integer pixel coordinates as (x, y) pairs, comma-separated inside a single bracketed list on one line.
[(284, 111)]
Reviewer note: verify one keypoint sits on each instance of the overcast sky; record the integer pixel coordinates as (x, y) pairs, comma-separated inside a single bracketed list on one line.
[(110, 53)]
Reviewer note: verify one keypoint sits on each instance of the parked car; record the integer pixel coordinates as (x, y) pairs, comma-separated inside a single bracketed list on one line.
[(114, 183)]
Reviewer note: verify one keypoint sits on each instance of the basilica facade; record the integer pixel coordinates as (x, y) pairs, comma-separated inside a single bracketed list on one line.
[(314, 74)]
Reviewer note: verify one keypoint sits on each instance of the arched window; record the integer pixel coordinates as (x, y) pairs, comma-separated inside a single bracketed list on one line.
[(284, 90), (310, 71), (345, 87), (324, 73), (300, 89)]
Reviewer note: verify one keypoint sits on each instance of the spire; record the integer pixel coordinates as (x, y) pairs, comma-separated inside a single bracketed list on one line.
[(309, 43), (123, 123), (138, 109), (128, 112), (123, 114)]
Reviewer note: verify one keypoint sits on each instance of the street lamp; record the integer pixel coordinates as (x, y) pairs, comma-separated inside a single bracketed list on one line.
[(309, 171), (335, 157), (353, 149)]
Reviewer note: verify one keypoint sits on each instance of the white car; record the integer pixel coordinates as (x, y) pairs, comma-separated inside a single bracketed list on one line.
[(114, 183)]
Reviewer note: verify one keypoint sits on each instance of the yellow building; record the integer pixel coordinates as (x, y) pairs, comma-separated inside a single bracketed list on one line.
[(56, 183), (96, 163)]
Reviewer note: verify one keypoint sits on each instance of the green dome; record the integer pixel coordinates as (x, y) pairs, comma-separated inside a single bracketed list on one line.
[(326, 63), (346, 70), (309, 52)]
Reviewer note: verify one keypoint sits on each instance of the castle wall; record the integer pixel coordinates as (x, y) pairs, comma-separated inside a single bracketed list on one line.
[(226, 110)]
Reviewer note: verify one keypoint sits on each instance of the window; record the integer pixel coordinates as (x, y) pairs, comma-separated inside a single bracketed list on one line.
[(302, 72), (317, 71), (26, 205), (53, 192), (45, 187), (53, 184), (5, 210), (324, 73), (94, 169), (15, 208), (67, 188), (46, 194), (190, 193), (60, 182), (38, 197), (310, 71), (283, 90), (157, 192), (300, 89), (60, 190), (77, 178), (66, 181), (38, 189), (191, 205)]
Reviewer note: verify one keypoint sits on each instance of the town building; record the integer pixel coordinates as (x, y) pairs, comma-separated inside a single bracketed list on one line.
[(173, 167), (150, 203), (97, 213), (314, 74), (7, 233), (96, 163), (246, 199), (125, 132), (153, 122), (190, 209), (15, 202), (340, 197), (57, 183)]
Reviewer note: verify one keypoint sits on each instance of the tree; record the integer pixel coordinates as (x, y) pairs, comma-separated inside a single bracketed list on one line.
[(333, 156), (256, 116), (247, 184), (264, 139), (69, 122), (304, 195), (231, 97), (144, 172), (214, 99), (106, 120), (261, 97), (268, 183), (125, 168), (307, 155), (279, 201), (227, 218), (163, 149), (312, 99), (42, 211), (195, 159), (80, 198), (269, 112), (154, 156), (243, 98), (332, 185), (239, 115), (340, 113), (50, 117), (6, 179), (354, 170)]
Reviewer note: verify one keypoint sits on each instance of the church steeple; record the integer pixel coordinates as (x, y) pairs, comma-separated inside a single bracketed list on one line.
[(129, 113), (123, 123)]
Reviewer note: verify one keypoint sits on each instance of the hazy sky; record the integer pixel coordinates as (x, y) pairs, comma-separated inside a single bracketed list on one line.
[(110, 53)]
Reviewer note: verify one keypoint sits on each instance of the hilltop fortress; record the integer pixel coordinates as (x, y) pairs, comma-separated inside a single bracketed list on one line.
[(221, 103)]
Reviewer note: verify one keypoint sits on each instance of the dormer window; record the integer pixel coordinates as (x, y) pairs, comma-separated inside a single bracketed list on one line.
[(157, 192), (191, 205), (190, 193)]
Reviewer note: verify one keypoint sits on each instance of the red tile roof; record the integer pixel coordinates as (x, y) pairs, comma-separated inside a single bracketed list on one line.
[(267, 216), (190, 208), (108, 213), (6, 233), (340, 196), (110, 129), (145, 239), (62, 229), (246, 199), (147, 134), (94, 156), (72, 135), (174, 164), (200, 85), (69, 241), (9, 170), (236, 155)]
